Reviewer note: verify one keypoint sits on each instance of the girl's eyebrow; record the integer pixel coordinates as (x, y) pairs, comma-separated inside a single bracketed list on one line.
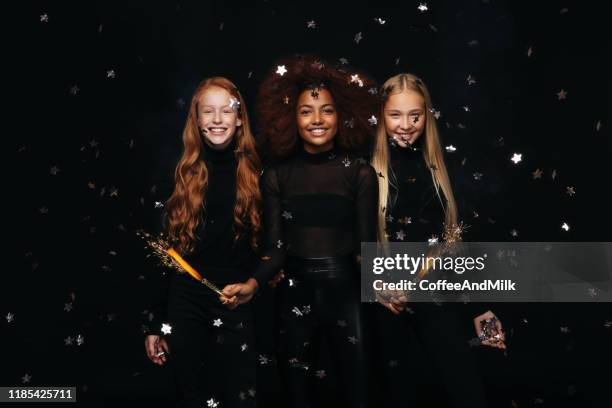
[(310, 106)]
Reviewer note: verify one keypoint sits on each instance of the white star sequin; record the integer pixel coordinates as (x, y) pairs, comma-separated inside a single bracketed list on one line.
[(281, 70), (373, 121), (166, 328), (217, 322), (517, 157)]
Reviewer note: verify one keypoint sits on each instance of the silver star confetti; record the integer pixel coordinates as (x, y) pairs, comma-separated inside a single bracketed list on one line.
[(373, 121), (217, 322), (166, 328), (423, 7), (358, 37), (311, 24), (281, 70), (517, 158)]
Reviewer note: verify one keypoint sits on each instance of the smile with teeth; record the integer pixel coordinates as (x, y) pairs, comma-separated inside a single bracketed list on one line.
[(317, 131), (217, 130)]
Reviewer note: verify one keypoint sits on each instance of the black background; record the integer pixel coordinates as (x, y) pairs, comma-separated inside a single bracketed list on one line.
[(115, 142)]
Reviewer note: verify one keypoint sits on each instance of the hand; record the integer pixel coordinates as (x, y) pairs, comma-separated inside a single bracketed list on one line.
[(239, 293), (491, 342), (277, 279), (394, 300), (157, 349)]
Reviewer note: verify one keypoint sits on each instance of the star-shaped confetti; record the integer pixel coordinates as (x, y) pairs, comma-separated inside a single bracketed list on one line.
[(211, 403), (311, 24), (537, 174), (166, 328), (352, 339), (400, 235), (373, 121), (74, 90), (380, 21), (26, 378), (110, 73), (358, 37), (281, 70), (320, 374), (346, 162), (451, 148), (287, 215), (234, 103), (517, 158), (9, 317), (244, 347), (562, 94), (570, 191), (68, 341), (217, 322), (565, 226), (422, 7), (44, 18)]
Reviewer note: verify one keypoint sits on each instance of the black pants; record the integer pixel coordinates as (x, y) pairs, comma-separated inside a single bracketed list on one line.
[(424, 351), (320, 297), (212, 353)]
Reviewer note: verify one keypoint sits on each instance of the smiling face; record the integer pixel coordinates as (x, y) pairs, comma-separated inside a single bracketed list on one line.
[(405, 117), (217, 118), (317, 120)]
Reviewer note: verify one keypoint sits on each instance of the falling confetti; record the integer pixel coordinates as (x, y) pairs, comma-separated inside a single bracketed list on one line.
[(166, 328), (561, 95), (451, 148), (311, 24), (565, 226), (44, 18), (281, 70), (423, 7), (517, 158), (9, 317), (358, 37), (372, 120), (217, 323)]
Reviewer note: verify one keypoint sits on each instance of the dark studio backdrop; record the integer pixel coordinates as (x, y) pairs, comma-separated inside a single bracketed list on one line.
[(102, 91)]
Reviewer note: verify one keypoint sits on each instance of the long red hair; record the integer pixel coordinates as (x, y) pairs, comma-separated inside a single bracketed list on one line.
[(184, 208)]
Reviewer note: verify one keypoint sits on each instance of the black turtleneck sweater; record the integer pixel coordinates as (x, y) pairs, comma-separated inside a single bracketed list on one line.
[(217, 255), (316, 205)]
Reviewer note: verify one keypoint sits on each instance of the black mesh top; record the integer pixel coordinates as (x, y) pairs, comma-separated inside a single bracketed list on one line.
[(316, 205)]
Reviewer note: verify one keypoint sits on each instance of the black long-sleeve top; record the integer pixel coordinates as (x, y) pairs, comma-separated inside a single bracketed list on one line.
[(414, 211), (217, 255), (316, 205)]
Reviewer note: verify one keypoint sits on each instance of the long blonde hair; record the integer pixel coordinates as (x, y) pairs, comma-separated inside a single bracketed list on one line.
[(184, 208), (432, 153)]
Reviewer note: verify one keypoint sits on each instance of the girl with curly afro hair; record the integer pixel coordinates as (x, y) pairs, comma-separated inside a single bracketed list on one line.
[(320, 203)]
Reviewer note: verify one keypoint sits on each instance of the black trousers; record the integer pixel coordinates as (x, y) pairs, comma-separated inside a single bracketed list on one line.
[(212, 353), (320, 297), (424, 351)]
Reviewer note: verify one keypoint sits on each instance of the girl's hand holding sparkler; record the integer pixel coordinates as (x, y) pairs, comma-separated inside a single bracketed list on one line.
[(157, 349), (239, 293)]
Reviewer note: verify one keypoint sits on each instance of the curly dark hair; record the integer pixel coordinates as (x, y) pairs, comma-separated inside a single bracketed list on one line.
[(354, 93)]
